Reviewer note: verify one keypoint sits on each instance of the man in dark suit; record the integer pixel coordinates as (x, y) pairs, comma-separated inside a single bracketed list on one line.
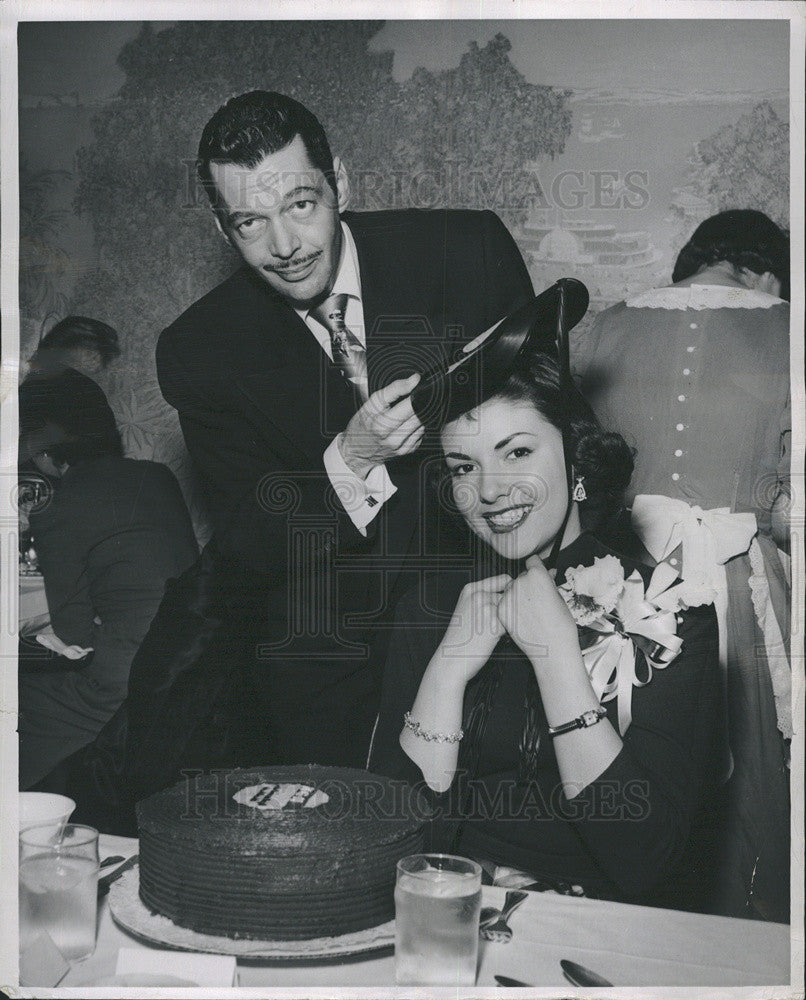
[(113, 533), (292, 382)]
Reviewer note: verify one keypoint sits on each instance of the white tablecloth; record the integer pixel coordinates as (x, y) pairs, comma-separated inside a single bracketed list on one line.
[(33, 601), (632, 946)]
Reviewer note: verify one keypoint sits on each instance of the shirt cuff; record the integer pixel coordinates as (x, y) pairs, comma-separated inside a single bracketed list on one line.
[(361, 498)]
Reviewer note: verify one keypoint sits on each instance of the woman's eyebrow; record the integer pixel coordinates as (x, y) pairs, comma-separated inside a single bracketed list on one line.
[(505, 442), (501, 444)]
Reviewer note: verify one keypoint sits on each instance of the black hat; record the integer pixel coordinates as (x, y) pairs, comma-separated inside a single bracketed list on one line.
[(539, 327)]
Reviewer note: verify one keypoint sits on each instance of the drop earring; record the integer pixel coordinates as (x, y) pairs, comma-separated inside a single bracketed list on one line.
[(579, 493)]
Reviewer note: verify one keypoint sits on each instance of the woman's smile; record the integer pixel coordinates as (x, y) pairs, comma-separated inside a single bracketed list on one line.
[(507, 519)]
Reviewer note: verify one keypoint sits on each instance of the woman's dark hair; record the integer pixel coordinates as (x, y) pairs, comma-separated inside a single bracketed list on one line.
[(602, 457), (252, 126), (81, 332), (742, 237), (75, 412)]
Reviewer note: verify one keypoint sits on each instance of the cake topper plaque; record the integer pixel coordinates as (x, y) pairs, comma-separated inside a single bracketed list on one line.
[(281, 795)]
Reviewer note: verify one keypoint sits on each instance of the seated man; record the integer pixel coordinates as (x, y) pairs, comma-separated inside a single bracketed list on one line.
[(79, 342), (112, 533)]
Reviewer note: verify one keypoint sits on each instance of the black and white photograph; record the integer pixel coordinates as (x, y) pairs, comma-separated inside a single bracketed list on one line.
[(402, 498)]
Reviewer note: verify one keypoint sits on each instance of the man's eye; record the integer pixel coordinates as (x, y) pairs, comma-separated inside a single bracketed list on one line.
[(303, 207), (247, 228)]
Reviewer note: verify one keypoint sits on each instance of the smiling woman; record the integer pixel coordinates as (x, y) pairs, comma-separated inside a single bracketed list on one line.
[(566, 728)]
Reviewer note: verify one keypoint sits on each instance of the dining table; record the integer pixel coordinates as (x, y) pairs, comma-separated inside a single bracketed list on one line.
[(631, 946), (33, 602)]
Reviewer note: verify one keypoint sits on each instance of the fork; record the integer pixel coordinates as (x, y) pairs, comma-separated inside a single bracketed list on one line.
[(499, 930)]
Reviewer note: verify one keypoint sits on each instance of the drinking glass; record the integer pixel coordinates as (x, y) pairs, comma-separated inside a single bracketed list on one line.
[(59, 887), (437, 905)]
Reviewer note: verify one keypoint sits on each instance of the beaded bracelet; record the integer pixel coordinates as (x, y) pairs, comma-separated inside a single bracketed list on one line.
[(424, 734)]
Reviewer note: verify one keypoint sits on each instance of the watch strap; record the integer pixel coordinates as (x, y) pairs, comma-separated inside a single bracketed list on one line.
[(583, 721)]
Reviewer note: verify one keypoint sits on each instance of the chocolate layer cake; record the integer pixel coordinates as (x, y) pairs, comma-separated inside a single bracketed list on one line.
[(277, 853)]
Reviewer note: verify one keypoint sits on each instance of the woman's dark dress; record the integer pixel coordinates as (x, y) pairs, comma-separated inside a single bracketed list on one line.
[(626, 835)]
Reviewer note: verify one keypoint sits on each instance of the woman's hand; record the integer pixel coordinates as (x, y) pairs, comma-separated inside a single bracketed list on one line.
[(537, 618), (474, 629), (466, 646)]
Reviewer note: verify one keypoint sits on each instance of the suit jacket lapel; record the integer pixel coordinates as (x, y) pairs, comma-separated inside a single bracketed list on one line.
[(401, 311), (402, 316), (283, 372)]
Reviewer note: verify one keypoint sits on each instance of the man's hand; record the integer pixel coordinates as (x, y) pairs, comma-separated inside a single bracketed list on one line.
[(383, 428)]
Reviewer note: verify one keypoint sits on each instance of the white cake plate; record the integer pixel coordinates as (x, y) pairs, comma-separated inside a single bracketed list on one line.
[(131, 913)]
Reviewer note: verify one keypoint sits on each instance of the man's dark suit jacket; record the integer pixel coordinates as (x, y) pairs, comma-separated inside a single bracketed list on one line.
[(115, 531), (271, 648), (259, 402)]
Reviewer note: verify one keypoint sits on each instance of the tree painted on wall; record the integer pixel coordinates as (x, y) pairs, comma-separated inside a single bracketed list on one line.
[(745, 165), (749, 164), (463, 136)]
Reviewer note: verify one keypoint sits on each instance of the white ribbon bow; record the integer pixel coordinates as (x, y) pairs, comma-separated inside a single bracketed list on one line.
[(638, 621), (709, 539)]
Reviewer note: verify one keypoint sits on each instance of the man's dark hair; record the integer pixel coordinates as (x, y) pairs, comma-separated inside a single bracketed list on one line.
[(742, 237), (252, 126), (74, 411), (80, 332)]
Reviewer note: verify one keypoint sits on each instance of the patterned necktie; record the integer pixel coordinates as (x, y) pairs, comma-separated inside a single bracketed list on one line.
[(348, 352)]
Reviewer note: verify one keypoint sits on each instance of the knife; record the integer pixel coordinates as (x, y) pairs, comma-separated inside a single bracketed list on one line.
[(506, 981), (578, 975), (106, 880)]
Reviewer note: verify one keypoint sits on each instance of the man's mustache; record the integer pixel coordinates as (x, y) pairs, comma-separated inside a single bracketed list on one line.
[(291, 265)]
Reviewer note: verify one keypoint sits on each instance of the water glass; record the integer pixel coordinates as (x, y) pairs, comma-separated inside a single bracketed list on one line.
[(437, 905), (59, 887)]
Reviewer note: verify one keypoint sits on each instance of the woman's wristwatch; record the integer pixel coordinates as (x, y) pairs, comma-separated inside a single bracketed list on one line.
[(580, 722)]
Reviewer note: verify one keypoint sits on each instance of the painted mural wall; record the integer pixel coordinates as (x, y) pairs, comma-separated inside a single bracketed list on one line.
[(602, 149)]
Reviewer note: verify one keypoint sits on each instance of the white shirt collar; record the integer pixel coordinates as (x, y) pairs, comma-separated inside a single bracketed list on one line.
[(703, 297), (347, 280)]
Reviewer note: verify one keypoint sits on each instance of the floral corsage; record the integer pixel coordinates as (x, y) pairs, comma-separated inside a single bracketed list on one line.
[(617, 617)]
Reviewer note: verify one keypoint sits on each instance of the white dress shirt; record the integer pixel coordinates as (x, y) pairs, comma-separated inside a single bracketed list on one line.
[(361, 498)]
